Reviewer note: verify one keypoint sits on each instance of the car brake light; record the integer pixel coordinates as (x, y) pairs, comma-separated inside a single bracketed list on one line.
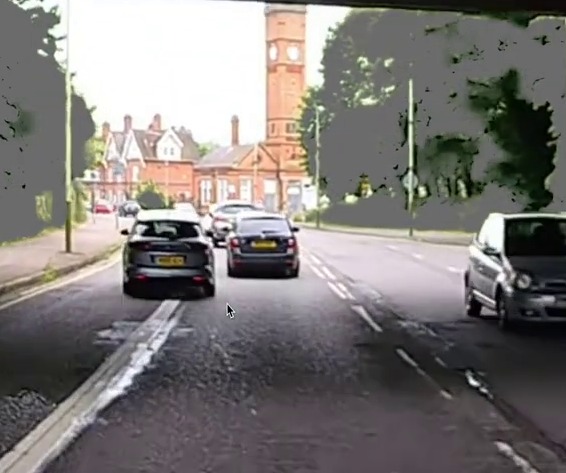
[(291, 243), (140, 246), (234, 243)]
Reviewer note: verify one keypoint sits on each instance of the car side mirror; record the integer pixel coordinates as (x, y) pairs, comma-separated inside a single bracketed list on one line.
[(295, 229), (124, 232)]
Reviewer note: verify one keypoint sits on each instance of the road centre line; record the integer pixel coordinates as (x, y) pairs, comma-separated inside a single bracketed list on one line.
[(315, 259), (336, 290), (507, 451), (346, 291), (413, 364), (362, 312), (316, 271), (327, 273)]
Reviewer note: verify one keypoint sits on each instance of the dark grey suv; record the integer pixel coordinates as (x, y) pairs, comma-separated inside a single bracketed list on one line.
[(517, 267)]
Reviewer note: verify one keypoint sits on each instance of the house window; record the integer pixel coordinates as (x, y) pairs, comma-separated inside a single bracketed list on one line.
[(205, 191), (135, 174), (246, 189), (222, 190), (291, 128)]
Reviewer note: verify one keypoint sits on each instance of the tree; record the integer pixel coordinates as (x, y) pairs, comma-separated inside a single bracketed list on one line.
[(33, 112), (94, 152), (149, 196), (206, 148)]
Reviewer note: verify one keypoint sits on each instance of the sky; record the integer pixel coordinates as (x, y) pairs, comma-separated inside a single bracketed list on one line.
[(196, 62)]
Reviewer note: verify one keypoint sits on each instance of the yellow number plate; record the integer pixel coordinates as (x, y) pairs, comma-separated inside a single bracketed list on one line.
[(170, 261), (264, 245)]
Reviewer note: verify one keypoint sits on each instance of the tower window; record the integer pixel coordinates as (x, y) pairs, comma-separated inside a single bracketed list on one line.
[(272, 129), (291, 128)]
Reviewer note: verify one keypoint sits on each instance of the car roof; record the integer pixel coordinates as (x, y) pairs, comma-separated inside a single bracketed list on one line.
[(527, 215), (167, 214), (234, 202), (250, 214)]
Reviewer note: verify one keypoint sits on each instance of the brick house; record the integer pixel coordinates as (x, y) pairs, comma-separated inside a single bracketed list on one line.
[(133, 155)]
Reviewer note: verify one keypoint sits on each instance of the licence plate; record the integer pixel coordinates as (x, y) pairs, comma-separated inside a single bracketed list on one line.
[(172, 261), (264, 245)]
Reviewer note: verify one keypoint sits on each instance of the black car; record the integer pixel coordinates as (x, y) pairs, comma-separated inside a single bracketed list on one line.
[(129, 208), (517, 267), (261, 242), (167, 252)]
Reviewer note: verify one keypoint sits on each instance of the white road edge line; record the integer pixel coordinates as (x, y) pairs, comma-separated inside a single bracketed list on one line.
[(362, 312), (64, 281), (110, 381), (413, 364), (346, 291), (336, 291), (316, 271), (507, 451), (327, 273)]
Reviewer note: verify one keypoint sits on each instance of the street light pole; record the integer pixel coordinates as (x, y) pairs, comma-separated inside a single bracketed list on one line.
[(68, 141), (317, 162), (411, 167)]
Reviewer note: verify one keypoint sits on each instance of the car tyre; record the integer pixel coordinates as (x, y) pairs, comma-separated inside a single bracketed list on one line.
[(294, 273), (473, 306), (503, 320), (129, 291), (209, 290), (231, 272), (216, 243)]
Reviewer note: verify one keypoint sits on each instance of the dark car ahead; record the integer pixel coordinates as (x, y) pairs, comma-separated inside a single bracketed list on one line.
[(224, 216), (167, 252), (261, 242), (129, 208), (517, 267)]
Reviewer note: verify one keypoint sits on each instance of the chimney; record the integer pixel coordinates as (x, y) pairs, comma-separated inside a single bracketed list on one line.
[(127, 123), (235, 130), (156, 124), (105, 130)]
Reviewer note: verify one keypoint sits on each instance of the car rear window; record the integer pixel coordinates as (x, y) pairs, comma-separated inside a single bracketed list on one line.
[(234, 209), (167, 229), (264, 225), (535, 237)]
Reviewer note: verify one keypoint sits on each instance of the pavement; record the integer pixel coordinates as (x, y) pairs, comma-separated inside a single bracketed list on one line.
[(365, 363), (32, 260)]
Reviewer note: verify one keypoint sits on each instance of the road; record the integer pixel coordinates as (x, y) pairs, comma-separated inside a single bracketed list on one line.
[(296, 381), (302, 379)]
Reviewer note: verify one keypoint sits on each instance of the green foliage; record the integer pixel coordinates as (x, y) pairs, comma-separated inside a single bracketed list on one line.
[(207, 148), (44, 206), (94, 152), (149, 196)]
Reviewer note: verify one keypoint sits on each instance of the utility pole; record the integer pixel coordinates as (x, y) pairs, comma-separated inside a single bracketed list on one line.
[(68, 141), (317, 162), (411, 167)]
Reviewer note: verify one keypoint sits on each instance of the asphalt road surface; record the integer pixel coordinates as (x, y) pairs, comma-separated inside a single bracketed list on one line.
[(302, 379), (295, 382), (422, 284)]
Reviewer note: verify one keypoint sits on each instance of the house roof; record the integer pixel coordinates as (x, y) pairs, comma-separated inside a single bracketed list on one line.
[(224, 157)]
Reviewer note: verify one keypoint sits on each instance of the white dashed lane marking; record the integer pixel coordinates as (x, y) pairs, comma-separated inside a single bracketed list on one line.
[(455, 270), (327, 273), (336, 290), (392, 247), (316, 271), (413, 364), (315, 259), (362, 312), (507, 450), (417, 256), (346, 291)]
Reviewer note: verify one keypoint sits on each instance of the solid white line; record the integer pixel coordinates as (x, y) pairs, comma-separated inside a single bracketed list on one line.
[(65, 281), (327, 273), (362, 312), (316, 271), (336, 291), (315, 259), (345, 290), (507, 450), (406, 358), (417, 256)]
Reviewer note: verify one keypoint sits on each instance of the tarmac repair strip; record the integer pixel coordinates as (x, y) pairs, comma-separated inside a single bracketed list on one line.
[(50, 438)]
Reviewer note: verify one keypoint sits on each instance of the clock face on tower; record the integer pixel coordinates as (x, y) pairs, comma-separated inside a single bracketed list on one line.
[(273, 53), (293, 53)]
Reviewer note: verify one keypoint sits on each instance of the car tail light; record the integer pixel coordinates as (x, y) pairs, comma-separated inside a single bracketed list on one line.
[(291, 245), (219, 219), (234, 243)]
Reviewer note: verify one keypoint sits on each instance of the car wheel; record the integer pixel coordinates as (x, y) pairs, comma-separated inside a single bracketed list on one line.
[(473, 306), (209, 290), (215, 243), (128, 290), (294, 273), (503, 320), (231, 271)]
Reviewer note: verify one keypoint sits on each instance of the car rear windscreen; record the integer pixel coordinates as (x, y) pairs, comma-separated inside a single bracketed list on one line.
[(263, 225), (167, 229), (234, 209)]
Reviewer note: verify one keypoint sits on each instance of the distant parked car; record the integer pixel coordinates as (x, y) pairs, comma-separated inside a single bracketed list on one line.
[(103, 207), (129, 208), (223, 215)]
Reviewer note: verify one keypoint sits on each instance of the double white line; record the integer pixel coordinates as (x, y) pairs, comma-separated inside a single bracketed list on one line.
[(338, 288)]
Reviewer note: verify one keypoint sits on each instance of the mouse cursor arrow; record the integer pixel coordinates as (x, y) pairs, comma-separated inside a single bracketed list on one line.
[(229, 311)]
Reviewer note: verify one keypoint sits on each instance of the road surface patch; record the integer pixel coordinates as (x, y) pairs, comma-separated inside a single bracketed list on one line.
[(43, 444)]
